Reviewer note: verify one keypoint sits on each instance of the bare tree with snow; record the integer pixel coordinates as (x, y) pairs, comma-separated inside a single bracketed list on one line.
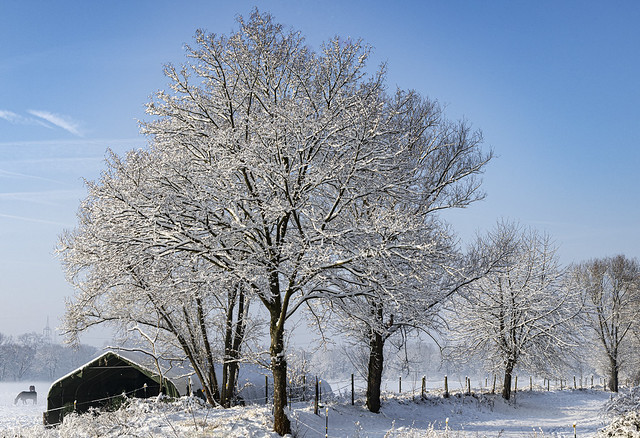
[(404, 296), (126, 281), (611, 290), (273, 167), (123, 280), (520, 315)]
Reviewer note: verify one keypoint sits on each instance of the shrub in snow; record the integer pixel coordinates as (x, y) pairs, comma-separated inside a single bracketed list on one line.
[(627, 425), (626, 406), (624, 402)]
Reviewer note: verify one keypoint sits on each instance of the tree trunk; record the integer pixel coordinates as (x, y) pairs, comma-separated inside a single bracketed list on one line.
[(233, 348), (281, 423), (376, 358), (207, 347), (226, 391), (506, 386), (613, 374), (205, 374), (374, 375)]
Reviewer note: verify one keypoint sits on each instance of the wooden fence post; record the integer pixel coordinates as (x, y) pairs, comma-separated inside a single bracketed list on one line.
[(530, 383), (326, 423), (352, 391), (304, 387), (446, 387), (315, 402), (424, 384), (493, 389), (400, 385)]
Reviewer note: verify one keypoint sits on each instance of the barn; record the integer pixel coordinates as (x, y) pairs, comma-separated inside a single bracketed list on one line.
[(100, 384)]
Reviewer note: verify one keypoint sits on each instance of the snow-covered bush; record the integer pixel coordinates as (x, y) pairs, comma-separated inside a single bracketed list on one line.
[(628, 425), (184, 417), (624, 402), (626, 406)]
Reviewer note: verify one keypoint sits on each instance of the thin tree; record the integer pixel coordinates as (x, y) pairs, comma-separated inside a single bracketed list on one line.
[(25, 351), (521, 314), (611, 290), (425, 277)]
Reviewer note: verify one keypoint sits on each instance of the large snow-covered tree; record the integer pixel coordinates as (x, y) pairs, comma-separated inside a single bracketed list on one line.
[(611, 291), (522, 314), (269, 165)]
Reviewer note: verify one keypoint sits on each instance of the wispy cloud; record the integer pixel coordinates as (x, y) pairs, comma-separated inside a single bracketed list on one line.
[(114, 143), (31, 219), (11, 117), (58, 120), (17, 119), (42, 118), (46, 197), (17, 175)]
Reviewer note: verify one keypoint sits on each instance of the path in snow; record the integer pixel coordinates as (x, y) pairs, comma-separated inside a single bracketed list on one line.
[(552, 413)]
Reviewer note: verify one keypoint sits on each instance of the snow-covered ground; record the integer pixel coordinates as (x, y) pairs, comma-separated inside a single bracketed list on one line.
[(538, 413), (21, 414)]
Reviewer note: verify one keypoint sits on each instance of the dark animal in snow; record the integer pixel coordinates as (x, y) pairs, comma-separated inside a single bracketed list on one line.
[(31, 394)]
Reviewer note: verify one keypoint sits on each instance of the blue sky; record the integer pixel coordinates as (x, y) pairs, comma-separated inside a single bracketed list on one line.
[(553, 85)]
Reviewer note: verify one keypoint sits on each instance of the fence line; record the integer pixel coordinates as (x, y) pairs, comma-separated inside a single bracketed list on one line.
[(354, 388), (304, 392), (111, 397), (350, 387)]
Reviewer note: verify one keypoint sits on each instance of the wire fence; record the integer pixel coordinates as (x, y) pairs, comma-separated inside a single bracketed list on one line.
[(355, 388), (54, 415), (102, 400)]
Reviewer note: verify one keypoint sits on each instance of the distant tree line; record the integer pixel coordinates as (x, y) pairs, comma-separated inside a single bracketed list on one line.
[(32, 357)]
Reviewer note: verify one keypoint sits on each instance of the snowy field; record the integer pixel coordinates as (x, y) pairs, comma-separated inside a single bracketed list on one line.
[(534, 414), (21, 414)]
